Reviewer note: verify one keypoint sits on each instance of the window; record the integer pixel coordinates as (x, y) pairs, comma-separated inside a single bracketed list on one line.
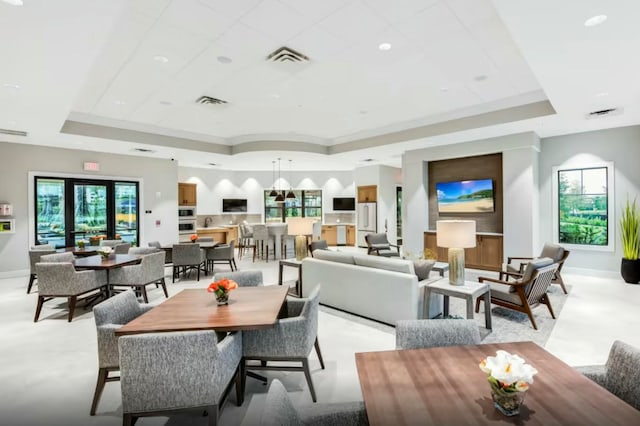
[(583, 206), (308, 203)]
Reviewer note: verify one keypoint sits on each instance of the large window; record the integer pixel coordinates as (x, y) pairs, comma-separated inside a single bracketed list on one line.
[(308, 203), (583, 206)]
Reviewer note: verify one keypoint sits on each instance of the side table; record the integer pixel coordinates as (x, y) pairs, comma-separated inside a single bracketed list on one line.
[(293, 263), (469, 291), (440, 267)]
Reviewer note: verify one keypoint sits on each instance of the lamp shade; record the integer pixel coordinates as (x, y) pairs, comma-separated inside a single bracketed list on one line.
[(300, 225), (456, 233)]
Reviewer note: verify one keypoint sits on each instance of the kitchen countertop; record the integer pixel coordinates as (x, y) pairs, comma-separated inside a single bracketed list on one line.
[(214, 228), (341, 223)]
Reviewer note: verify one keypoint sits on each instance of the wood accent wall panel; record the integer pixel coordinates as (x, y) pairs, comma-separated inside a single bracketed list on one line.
[(468, 168)]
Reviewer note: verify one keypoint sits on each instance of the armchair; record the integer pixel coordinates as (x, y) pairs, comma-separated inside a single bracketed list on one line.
[(158, 376), (149, 271), (379, 245), (188, 256), (34, 257), (430, 333), (242, 278), (526, 292), (291, 339), (222, 253), (557, 253), (110, 315)]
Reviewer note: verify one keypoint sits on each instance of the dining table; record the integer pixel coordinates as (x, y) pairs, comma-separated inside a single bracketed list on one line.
[(445, 386), (99, 263), (80, 251)]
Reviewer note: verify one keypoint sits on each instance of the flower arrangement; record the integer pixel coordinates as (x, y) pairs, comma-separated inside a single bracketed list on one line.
[(221, 289), (104, 252), (193, 238), (509, 378), (82, 243)]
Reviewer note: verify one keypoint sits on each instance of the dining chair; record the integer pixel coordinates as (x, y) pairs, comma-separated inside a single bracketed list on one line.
[(279, 410), (222, 253), (35, 254), (620, 375), (167, 253), (158, 376), (110, 243), (557, 253), (527, 291), (58, 257), (109, 316), (430, 333), (290, 339), (242, 278), (150, 270), (379, 245), (246, 242), (188, 256), (262, 241), (287, 242)]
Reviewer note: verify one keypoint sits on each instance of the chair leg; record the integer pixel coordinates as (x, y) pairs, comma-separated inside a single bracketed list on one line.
[(214, 412), (174, 275), (38, 308), (234, 263), (102, 379), (243, 375), (32, 278), (558, 280), (239, 390), (545, 299), (128, 419), (317, 346), (72, 306), (143, 290), (164, 288), (307, 374), (230, 265), (530, 314)]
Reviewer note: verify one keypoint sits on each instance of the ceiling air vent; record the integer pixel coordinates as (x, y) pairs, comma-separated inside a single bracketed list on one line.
[(13, 132), (145, 150), (604, 112), (286, 54), (208, 100)]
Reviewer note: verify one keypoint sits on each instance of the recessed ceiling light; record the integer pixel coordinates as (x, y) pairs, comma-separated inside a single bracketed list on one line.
[(119, 102), (160, 58), (224, 59), (384, 46), (13, 2), (595, 20), (11, 85), (480, 77)]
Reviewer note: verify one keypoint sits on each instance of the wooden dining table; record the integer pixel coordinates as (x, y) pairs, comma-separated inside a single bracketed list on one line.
[(80, 251), (445, 386), (98, 263)]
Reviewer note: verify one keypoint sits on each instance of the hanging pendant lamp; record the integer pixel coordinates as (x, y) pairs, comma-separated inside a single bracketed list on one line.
[(273, 192), (290, 194), (279, 196)]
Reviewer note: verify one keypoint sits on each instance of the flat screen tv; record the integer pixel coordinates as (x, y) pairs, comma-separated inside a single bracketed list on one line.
[(465, 196), (234, 205), (344, 203)]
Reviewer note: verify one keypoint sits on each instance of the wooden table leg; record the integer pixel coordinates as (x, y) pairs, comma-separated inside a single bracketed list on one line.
[(280, 274)]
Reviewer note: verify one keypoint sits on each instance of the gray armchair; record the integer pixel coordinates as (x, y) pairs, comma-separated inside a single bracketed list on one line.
[(35, 254), (110, 243), (188, 256), (122, 248), (553, 251), (110, 315), (242, 278), (291, 339), (379, 245), (222, 253), (279, 410), (58, 257), (621, 373), (157, 374), (149, 271), (60, 279), (430, 333), (167, 253)]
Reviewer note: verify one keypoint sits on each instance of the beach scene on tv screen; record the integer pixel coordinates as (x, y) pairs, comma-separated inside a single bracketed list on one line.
[(467, 196)]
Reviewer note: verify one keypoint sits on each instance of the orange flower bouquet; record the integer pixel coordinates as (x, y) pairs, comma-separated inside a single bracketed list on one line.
[(221, 289), (193, 238)]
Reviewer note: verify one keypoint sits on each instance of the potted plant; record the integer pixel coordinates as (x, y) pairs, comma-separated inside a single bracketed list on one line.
[(630, 235)]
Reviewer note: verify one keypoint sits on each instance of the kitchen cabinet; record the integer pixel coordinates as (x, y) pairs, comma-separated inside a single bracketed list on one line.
[(368, 194), (220, 235), (187, 195), (351, 235), (330, 234), (487, 254)]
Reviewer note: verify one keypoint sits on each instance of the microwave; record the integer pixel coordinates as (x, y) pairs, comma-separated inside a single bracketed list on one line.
[(186, 226), (186, 212)]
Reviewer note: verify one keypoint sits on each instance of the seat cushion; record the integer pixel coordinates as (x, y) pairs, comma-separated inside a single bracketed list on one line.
[(506, 293), (553, 251), (334, 256), (396, 265)]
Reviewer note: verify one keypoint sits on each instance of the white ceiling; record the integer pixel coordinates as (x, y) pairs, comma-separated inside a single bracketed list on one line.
[(93, 62)]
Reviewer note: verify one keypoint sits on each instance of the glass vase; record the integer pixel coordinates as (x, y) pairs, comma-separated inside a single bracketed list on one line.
[(508, 403), (222, 299)]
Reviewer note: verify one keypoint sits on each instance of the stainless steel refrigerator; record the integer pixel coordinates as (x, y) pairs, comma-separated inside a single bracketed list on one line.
[(367, 221)]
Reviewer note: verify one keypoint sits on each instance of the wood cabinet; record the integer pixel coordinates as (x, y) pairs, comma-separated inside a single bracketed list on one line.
[(220, 235), (367, 194), (187, 195), (330, 234), (351, 235), (487, 254)]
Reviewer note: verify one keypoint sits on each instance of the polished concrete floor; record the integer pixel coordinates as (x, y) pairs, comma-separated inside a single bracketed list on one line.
[(48, 369)]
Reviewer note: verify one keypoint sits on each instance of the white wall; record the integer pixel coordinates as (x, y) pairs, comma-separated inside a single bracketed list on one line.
[(159, 192), (622, 147)]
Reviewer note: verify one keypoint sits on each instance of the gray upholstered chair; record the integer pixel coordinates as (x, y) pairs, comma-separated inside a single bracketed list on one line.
[(430, 333), (557, 253), (245, 236), (58, 257), (527, 291), (158, 376), (122, 248), (155, 244), (110, 243), (150, 270), (188, 256), (60, 279), (379, 245), (318, 245), (35, 254), (290, 339), (110, 315), (279, 411), (621, 373), (242, 278), (222, 253), (167, 253), (262, 240)]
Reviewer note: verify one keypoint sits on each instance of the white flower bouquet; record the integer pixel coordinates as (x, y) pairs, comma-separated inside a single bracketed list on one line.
[(104, 252), (508, 372)]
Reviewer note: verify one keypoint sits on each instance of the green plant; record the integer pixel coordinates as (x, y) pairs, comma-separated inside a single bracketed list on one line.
[(630, 230)]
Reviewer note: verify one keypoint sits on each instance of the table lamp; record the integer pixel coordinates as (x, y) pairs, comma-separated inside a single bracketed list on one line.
[(456, 235), (300, 227)]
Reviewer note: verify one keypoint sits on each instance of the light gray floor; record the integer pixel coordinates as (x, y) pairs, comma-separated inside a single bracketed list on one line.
[(48, 369)]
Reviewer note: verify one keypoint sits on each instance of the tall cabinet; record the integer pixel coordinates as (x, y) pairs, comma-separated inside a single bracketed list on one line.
[(187, 194)]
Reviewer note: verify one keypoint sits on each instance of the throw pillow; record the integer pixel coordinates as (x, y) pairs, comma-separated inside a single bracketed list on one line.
[(423, 268)]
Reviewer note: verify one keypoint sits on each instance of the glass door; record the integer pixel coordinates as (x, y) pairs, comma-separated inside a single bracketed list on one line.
[(126, 195), (89, 211), (50, 208)]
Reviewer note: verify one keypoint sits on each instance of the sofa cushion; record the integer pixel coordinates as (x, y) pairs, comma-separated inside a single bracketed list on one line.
[(333, 256), (396, 265), (553, 251)]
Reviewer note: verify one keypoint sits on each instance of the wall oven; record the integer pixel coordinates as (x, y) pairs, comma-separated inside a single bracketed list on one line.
[(186, 213), (187, 226)]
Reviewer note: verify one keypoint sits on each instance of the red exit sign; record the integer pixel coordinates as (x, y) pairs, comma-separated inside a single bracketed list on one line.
[(91, 166)]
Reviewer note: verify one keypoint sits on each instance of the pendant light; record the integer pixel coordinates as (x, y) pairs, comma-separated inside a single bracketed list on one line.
[(280, 196), (273, 192), (290, 194)]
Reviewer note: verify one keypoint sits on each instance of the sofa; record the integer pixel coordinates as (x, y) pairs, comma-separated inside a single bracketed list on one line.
[(378, 288)]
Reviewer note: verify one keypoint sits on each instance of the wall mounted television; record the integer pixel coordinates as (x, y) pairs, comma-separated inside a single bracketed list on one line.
[(344, 203), (234, 205), (465, 196)]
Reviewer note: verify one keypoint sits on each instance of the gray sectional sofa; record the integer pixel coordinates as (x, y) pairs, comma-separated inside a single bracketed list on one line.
[(382, 289)]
